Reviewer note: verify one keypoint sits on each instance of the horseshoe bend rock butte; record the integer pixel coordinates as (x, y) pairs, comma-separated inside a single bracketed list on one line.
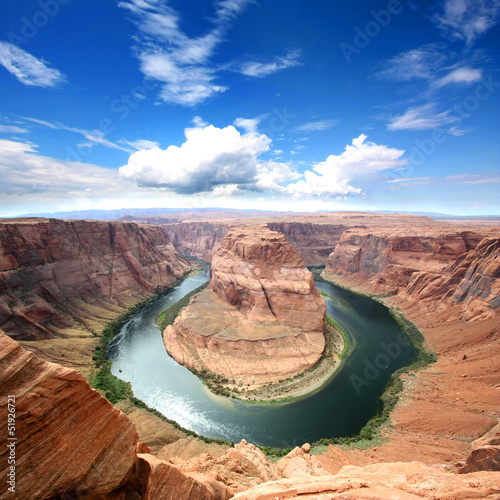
[(262, 318)]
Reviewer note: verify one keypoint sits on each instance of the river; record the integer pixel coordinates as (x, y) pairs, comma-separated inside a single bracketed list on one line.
[(340, 408)]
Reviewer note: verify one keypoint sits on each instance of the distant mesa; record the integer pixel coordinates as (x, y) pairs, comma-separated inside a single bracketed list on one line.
[(261, 320)]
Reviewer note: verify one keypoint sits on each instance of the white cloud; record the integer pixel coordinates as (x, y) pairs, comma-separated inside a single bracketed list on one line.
[(270, 176), (168, 55), (12, 129), (260, 69), (460, 76), (248, 124), (457, 132), (421, 118), (318, 125), (198, 122), (210, 157), (467, 19), (35, 183), (27, 68), (467, 179), (26, 173), (95, 136), (361, 164), (416, 64), (182, 64), (140, 144)]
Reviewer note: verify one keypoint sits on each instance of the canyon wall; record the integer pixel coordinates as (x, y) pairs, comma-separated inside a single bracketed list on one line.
[(261, 320), (462, 267), (314, 236), (53, 272), (313, 242), (201, 239)]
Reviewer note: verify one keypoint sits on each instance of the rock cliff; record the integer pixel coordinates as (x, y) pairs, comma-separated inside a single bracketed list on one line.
[(462, 267), (201, 239), (261, 320), (314, 242), (472, 281), (71, 442), (53, 272)]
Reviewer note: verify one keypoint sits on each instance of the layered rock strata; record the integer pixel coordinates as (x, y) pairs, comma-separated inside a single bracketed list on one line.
[(261, 320), (460, 267), (53, 272), (69, 442)]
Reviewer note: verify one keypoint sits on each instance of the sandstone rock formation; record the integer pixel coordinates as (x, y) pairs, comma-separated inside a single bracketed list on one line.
[(72, 443), (201, 239), (313, 241), (259, 271), (472, 281), (240, 468), (53, 272), (459, 266), (404, 481), (261, 320), (485, 454), (299, 462)]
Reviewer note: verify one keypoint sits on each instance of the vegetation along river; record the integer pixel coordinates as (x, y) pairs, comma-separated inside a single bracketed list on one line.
[(340, 408)]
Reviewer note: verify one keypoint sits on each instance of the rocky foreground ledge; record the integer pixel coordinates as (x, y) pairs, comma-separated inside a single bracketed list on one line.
[(261, 320)]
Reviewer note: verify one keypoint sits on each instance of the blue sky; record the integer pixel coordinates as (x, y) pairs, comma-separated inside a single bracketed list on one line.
[(282, 105)]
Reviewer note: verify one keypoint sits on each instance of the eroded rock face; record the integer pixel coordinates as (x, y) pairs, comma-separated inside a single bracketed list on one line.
[(69, 438), (473, 280), (201, 239), (47, 264), (461, 267), (261, 320), (258, 271), (72, 443)]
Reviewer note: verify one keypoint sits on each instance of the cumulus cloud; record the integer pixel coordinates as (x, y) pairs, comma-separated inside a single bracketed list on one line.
[(347, 174), (209, 157), (421, 118), (248, 124), (467, 20), (32, 182), (27, 68), (271, 175)]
